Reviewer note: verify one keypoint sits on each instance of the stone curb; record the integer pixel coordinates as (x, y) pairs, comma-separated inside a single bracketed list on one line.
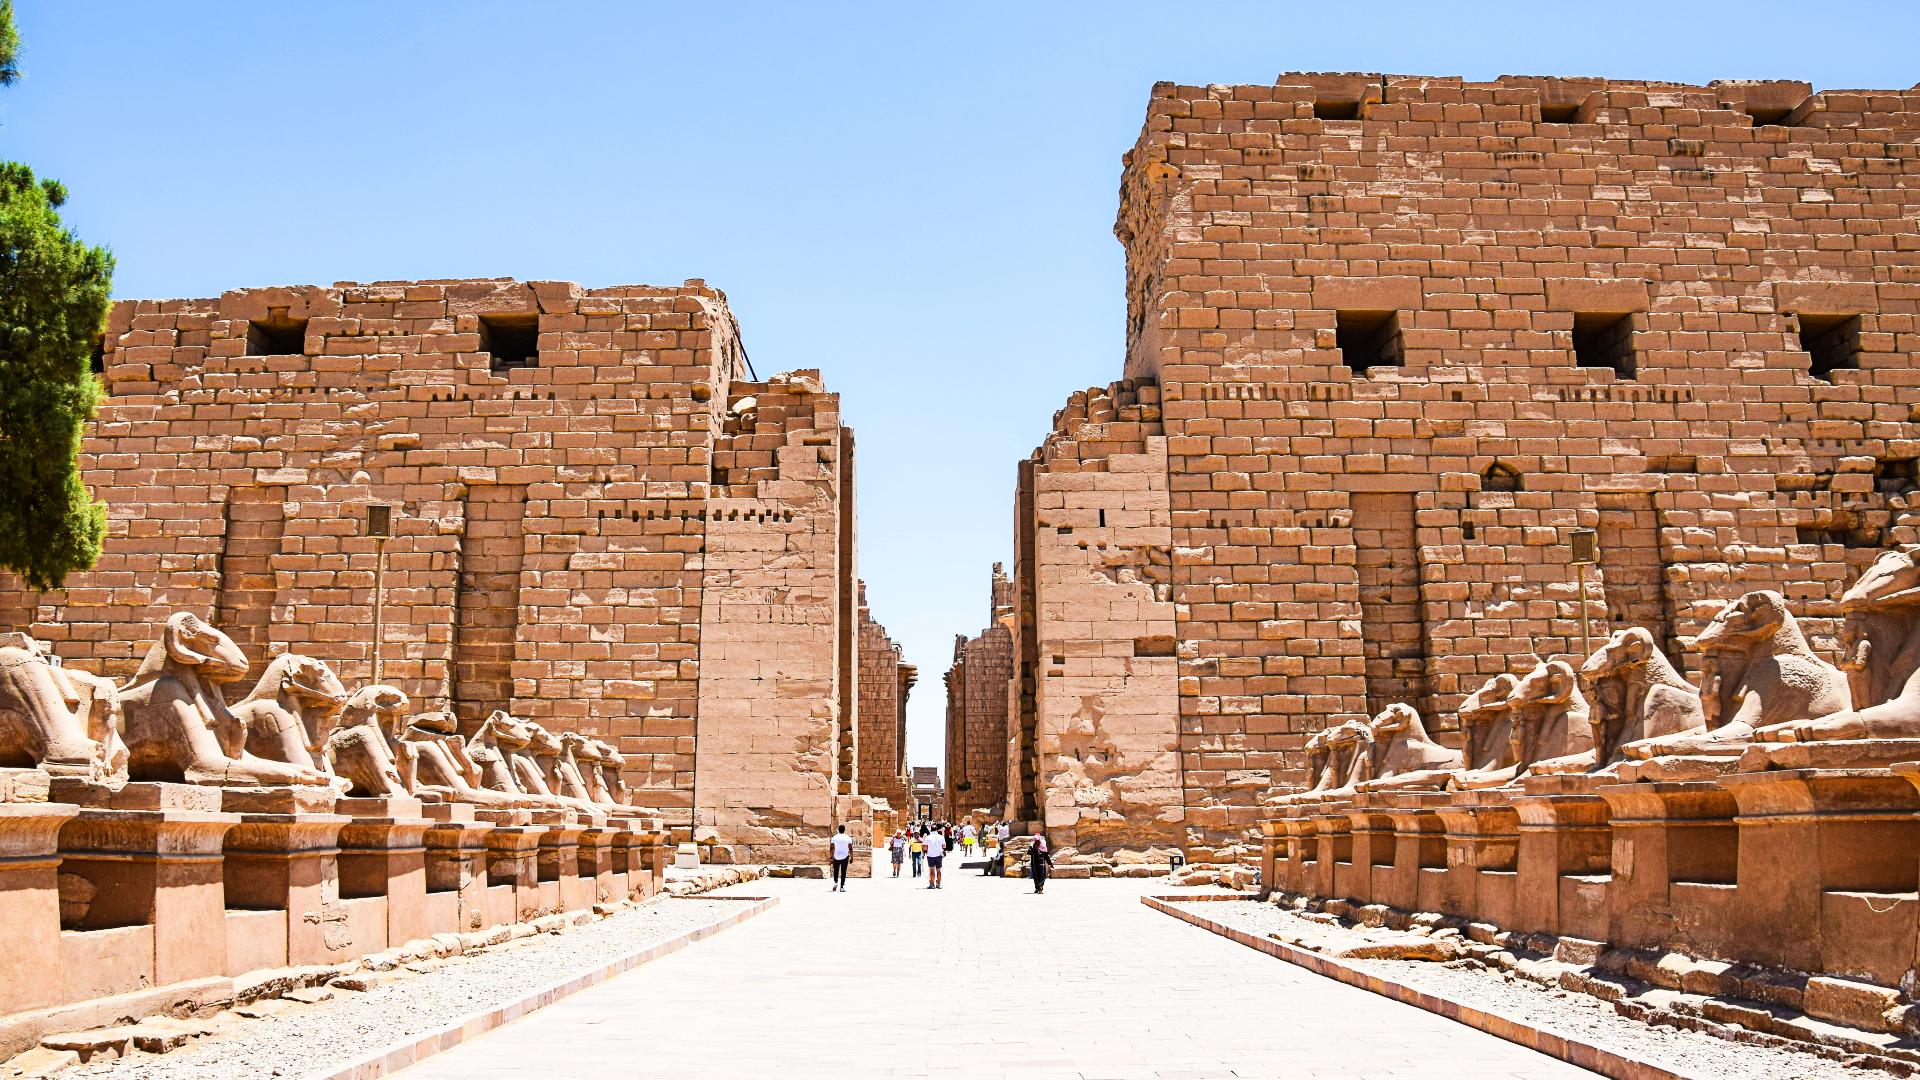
[(411, 1051), (1571, 1050)]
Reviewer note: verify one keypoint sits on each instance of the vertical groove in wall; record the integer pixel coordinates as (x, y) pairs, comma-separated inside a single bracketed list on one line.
[(1026, 768), (487, 605), (255, 525), (1631, 565), (1393, 638), (847, 624)]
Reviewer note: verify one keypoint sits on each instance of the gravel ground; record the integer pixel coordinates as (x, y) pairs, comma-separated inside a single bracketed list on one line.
[(1563, 1012), (304, 1038)]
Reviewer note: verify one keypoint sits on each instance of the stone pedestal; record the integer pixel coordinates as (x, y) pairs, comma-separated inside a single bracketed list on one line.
[(1826, 871), (1417, 879), (456, 867), (513, 853), (1371, 829), (1295, 868), (1674, 857), (558, 861), (1332, 849), (1563, 857), (1483, 836), (149, 855), (30, 900), (594, 864), (283, 855), (383, 852), (1273, 841)]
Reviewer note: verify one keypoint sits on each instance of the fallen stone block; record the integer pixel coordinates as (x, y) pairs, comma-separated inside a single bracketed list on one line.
[(162, 1034), (38, 1062), (1855, 1004), (309, 995), (98, 1044)]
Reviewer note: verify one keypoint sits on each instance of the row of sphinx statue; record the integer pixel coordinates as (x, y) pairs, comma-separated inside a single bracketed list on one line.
[(299, 726), (1761, 682)]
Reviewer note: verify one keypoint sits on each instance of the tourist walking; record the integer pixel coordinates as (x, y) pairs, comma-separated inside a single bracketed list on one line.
[(897, 847), (917, 847), (936, 853), (1039, 861), (967, 835), (1006, 833), (842, 846)]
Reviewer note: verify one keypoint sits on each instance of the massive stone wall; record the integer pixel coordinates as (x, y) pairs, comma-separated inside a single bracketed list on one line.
[(977, 703), (884, 684), (1407, 334), (594, 512)]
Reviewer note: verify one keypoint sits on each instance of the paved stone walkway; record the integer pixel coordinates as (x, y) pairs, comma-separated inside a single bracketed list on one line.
[(980, 980)]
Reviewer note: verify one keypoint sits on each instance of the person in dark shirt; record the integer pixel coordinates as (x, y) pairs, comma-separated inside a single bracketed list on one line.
[(1039, 861)]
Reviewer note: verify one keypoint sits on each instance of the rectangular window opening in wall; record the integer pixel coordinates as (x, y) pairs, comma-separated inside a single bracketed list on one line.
[(1336, 110), (1769, 117), (1831, 342), (277, 337), (1369, 339), (1896, 476), (1560, 113), (1604, 341), (513, 341)]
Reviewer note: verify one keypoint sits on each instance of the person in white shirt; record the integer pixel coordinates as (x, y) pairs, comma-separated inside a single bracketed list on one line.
[(967, 834), (936, 850), (1006, 833), (842, 846)]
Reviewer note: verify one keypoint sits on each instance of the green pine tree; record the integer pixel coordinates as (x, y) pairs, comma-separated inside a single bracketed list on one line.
[(53, 307)]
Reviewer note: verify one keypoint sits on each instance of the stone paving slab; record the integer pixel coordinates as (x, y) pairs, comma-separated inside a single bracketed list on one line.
[(982, 979)]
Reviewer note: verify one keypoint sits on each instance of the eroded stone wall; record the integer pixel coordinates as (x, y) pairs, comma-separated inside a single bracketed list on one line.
[(570, 472), (1409, 333)]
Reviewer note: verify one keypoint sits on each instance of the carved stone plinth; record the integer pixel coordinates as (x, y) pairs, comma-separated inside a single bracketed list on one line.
[(1563, 856), (1674, 860), (513, 858), (1370, 829), (1332, 849), (30, 898), (149, 855), (1273, 840), (1826, 872), (1294, 869), (559, 863), (283, 855), (595, 864), (1417, 879), (383, 852), (1483, 837), (456, 867)]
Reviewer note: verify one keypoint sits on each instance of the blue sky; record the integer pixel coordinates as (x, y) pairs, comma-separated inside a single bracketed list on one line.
[(917, 200)]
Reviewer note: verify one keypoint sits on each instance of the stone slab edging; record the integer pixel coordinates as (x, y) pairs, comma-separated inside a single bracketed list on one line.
[(1567, 1048), (415, 1049)]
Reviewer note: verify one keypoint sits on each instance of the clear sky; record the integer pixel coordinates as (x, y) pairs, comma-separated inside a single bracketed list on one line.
[(917, 199)]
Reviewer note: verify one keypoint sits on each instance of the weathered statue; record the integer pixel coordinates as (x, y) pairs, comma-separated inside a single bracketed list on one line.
[(1404, 757), (609, 778), (1757, 670), (178, 727), (1552, 725), (435, 767), (1338, 761), (291, 711), (1487, 718), (500, 749), (1644, 696), (544, 756), (569, 767), (1881, 646), (358, 750), (64, 721)]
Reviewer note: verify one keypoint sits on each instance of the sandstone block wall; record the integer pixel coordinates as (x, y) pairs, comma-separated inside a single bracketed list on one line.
[(1409, 332), (977, 704), (575, 501), (883, 712)]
